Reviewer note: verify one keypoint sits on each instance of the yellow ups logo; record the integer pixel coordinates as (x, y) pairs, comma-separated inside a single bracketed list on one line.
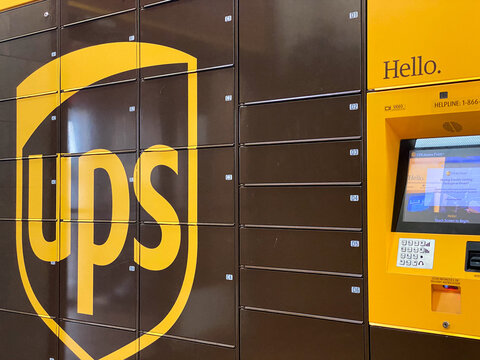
[(94, 64)]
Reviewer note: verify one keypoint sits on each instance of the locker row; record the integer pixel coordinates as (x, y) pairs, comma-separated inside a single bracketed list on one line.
[(106, 117), (113, 176), (107, 187), (132, 283), (203, 29), (93, 119), (44, 344), (116, 291), (294, 337)]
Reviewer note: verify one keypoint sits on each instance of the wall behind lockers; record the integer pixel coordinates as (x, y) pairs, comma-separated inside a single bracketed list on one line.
[(280, 180)]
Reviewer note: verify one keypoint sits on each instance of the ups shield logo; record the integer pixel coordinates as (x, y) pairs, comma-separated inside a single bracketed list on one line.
[(100, 195)]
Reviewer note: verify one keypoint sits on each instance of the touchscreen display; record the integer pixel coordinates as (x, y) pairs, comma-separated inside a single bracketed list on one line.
[(443, 186)]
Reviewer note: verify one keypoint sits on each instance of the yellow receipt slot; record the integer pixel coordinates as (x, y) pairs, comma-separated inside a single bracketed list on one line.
[(424, 209)]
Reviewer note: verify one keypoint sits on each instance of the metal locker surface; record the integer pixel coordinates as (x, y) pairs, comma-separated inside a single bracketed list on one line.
[(185, 350), (120, 179), (164, 110), (323, 118), (21, 57), (8, 129), (79, 10), (319, 207), (8, 171), (44, 140), (97, 341), (393, 344), (202, 29), (26, 337), (215, 185), (311, 250), (41, 183), (42, 275), (118, 28), (337, 162), (104, 117), (331, 297), (111, 299), (38, 16), (210, 311), (280, 59), (265, 336)]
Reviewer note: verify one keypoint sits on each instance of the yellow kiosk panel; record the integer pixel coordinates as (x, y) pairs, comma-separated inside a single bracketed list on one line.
[(424, 209), (413, 42)]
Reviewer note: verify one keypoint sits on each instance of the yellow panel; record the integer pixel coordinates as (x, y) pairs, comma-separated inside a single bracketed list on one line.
[(9, 4), (404, 297), (442, 32)]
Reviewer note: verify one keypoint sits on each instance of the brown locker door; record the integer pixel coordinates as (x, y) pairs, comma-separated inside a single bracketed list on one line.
[(79, 10), (21, 57), (393, 344), (317, 295), (114, 286), (97, 341), (118, 28), (280, 58), (44, 140), (216, 192), (8, 129), (100, 118), (320, 207), (210, 311), (26, 337), (164, 111), (40, 15), (326, 118), (185, 350), (266, 336), (203, 29), (338, 162), (42, 275), (311, 250), (103, 188)]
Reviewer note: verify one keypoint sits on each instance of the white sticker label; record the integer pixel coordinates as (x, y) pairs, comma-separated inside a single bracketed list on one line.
[(356, 290), (353, 106), (415, 253), (354, 243), (354, 152), (353, 15), (354, 198)]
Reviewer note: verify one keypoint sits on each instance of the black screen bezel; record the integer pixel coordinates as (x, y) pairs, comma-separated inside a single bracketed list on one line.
[(398, 225)]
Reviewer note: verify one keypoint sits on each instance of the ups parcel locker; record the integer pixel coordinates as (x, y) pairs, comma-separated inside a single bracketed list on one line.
[(138, 226), (20, 57)]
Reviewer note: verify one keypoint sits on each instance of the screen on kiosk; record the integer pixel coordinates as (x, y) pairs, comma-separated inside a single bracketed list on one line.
[(443, 186)]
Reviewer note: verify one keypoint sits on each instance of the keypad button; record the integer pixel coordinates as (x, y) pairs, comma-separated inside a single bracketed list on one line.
[(410, 242), (414, 263), (416, 243), (409, 249), (403, 249), (409, 262), (402, 256), (409, 256), (415, 256), (402, 262), (415, 250), (404, 242), (422, 243)]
